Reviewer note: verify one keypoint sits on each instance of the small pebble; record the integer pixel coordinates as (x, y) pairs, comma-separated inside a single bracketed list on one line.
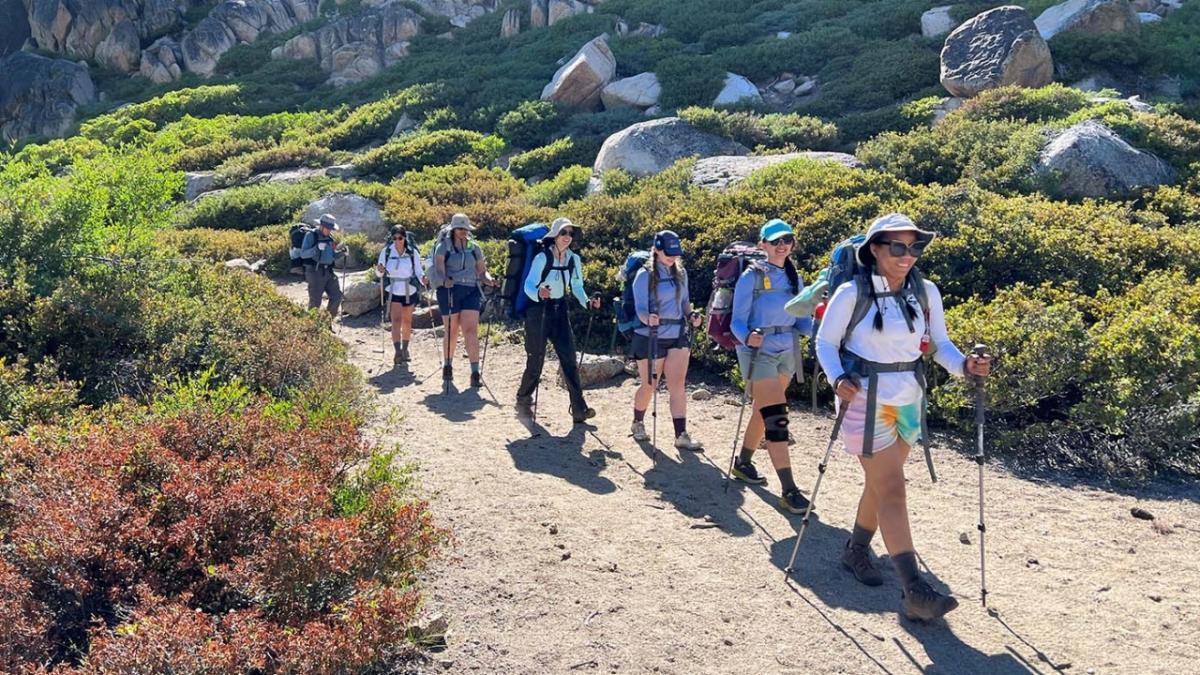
[(566, 555), (964, 538), (553, 529), (1156, 598), (728, 642), (1141, 514), (701, 395)]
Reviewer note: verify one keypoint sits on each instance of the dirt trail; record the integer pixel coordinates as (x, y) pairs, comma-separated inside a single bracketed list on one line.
[(576, 553)]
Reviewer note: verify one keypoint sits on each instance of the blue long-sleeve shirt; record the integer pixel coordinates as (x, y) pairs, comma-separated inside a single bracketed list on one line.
[(557, 279), (766, 311), (669, 308), (310, 248)]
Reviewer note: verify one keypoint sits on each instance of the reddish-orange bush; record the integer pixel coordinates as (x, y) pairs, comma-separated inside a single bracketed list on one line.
[(204, 543)]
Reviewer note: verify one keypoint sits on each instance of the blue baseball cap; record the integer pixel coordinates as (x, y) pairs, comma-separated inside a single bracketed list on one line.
[(668, 242), (774, 229)]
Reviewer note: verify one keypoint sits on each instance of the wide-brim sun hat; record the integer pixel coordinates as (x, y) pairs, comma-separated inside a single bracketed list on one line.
[(668, 242), (557, 226), (327, 220), (460, 221), (774, 229), (892, 222)]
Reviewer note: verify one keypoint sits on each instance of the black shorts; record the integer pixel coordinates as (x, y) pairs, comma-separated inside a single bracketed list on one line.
[(402, 300), (641, 345), (465, 298)]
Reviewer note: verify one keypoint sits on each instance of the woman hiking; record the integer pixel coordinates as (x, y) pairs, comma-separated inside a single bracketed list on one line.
[(554, 272), (767, 355), (667, 309), (400, 267), (461, 265), (874, 332)]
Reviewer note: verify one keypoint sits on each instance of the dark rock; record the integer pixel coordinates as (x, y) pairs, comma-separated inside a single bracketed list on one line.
[(1141, 514), (39, 96), (996, 48)]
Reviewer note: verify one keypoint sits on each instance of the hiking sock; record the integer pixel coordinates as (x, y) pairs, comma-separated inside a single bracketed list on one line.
[(861, 536), (400, 347), (906, 567), (639, 415), (786, 484), (746, 455), (680, 424), (474, 367), (404, 345)]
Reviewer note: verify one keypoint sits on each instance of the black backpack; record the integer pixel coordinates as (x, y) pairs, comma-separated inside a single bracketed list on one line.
[(296, 236)]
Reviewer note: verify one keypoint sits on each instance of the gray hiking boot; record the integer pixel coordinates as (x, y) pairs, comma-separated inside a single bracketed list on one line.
[(639, 431), (684, 442), (920, 602), (857, 559), (524, 407)]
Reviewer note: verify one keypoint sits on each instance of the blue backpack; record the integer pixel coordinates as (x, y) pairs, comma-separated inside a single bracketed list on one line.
[(523, 245), (627, 317)]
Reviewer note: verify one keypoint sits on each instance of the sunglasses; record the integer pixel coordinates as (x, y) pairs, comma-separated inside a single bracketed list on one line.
[(398, 236), (897, 249), (567, 233), (785, 240)]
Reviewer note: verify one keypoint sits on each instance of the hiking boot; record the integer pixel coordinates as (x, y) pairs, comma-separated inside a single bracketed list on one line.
[(447, 372), (745, 472), (476, 380), (639, 431), (857, 559), (920, 602), (684, 442), (793, 502), (398, 358), (581, 416), (524, 407), (404, 358)]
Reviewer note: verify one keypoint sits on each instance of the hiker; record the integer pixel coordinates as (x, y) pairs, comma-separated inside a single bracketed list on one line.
[(460, 265), (548, 317), (400, 267), (318, 251), (668, 309), (767, 355), (883, 350)]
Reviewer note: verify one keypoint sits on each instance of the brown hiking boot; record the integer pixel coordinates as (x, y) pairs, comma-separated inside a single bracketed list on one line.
[(921, 603), (857, 559)]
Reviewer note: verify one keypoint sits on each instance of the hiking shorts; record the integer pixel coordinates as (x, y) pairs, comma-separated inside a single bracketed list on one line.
[(766, 366), (402, 300), (892, 422), (465, 298), (641, 346)]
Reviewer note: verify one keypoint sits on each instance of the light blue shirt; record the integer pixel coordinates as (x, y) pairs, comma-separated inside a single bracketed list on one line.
[(767, 310), (311, 248), (668, 306), (557, 279)]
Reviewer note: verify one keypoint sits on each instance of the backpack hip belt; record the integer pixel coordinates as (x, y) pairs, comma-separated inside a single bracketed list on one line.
[(857, 365)]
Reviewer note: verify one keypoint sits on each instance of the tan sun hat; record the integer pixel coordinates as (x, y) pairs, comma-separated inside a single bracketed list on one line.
[(460, 221), (892, 222)]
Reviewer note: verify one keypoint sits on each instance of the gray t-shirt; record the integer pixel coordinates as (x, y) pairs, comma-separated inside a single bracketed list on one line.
[(460, 262)]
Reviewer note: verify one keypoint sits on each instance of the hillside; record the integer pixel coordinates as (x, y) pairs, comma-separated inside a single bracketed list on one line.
[(246, 481)]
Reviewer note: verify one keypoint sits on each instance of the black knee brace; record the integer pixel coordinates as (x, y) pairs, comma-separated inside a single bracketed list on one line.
[(775, 418)]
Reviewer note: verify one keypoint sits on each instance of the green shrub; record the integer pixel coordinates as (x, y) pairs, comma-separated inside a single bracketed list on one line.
[(269, 243), (212, 155), (530, 124), (689, 79), (205, 101), (377, 120), (570, 183), (774, 131), (1028, 105), (283, 156), (30, 396), (544, 161), (459, 184), (413, 152), (249, 207)]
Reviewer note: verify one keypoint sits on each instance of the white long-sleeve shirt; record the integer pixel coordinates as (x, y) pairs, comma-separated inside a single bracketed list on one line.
[(401, 268), (557, 279), (894, 344)]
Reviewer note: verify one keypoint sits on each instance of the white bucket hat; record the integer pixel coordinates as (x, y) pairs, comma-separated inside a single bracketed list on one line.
[(460, 221), (892, 222), (558, 225)]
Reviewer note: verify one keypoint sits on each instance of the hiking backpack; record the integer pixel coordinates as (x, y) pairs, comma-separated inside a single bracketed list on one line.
[(731, 263), (524, 244), (627, 316), (411, 249), (296, 236)]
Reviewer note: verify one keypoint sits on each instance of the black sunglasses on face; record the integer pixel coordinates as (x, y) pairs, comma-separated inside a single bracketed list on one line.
[(785, 240), (897, 249), (567, 233), (398, 236)]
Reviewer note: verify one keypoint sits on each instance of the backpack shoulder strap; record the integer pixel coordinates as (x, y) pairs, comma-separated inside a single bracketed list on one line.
[(862, 305), (548, 267)]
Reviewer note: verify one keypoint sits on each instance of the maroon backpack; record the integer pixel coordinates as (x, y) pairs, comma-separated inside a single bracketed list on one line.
[(730, 265)]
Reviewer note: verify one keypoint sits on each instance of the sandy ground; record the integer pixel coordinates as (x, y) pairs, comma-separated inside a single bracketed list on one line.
[(575, 552)]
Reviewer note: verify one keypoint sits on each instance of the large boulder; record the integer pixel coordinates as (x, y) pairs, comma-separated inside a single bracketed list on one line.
[(354, 213), (205, 44), (510, 25), (1090, 160), (638, 92), (999, 47), (577, 84), (354, 48), (162, 61), (937, 22), (196, 183), (719, 173), (649, 147), (596, 369), (361, 296), (14, 26), (1089, 17), (737, 89), (79, 28), (538, 13), (557, 10), (121, 50), (39, 96), (240, 21)]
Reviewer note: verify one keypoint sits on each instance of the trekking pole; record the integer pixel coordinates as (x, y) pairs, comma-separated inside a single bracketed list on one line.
[(612, 341), (449, 360), (980, 351), (537, 388), (587, 334), (652, 371), (837, 426), (737, 432), (383, 310)]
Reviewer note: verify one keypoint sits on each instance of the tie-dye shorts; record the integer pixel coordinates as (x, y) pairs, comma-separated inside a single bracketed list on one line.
[(891, 422)]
